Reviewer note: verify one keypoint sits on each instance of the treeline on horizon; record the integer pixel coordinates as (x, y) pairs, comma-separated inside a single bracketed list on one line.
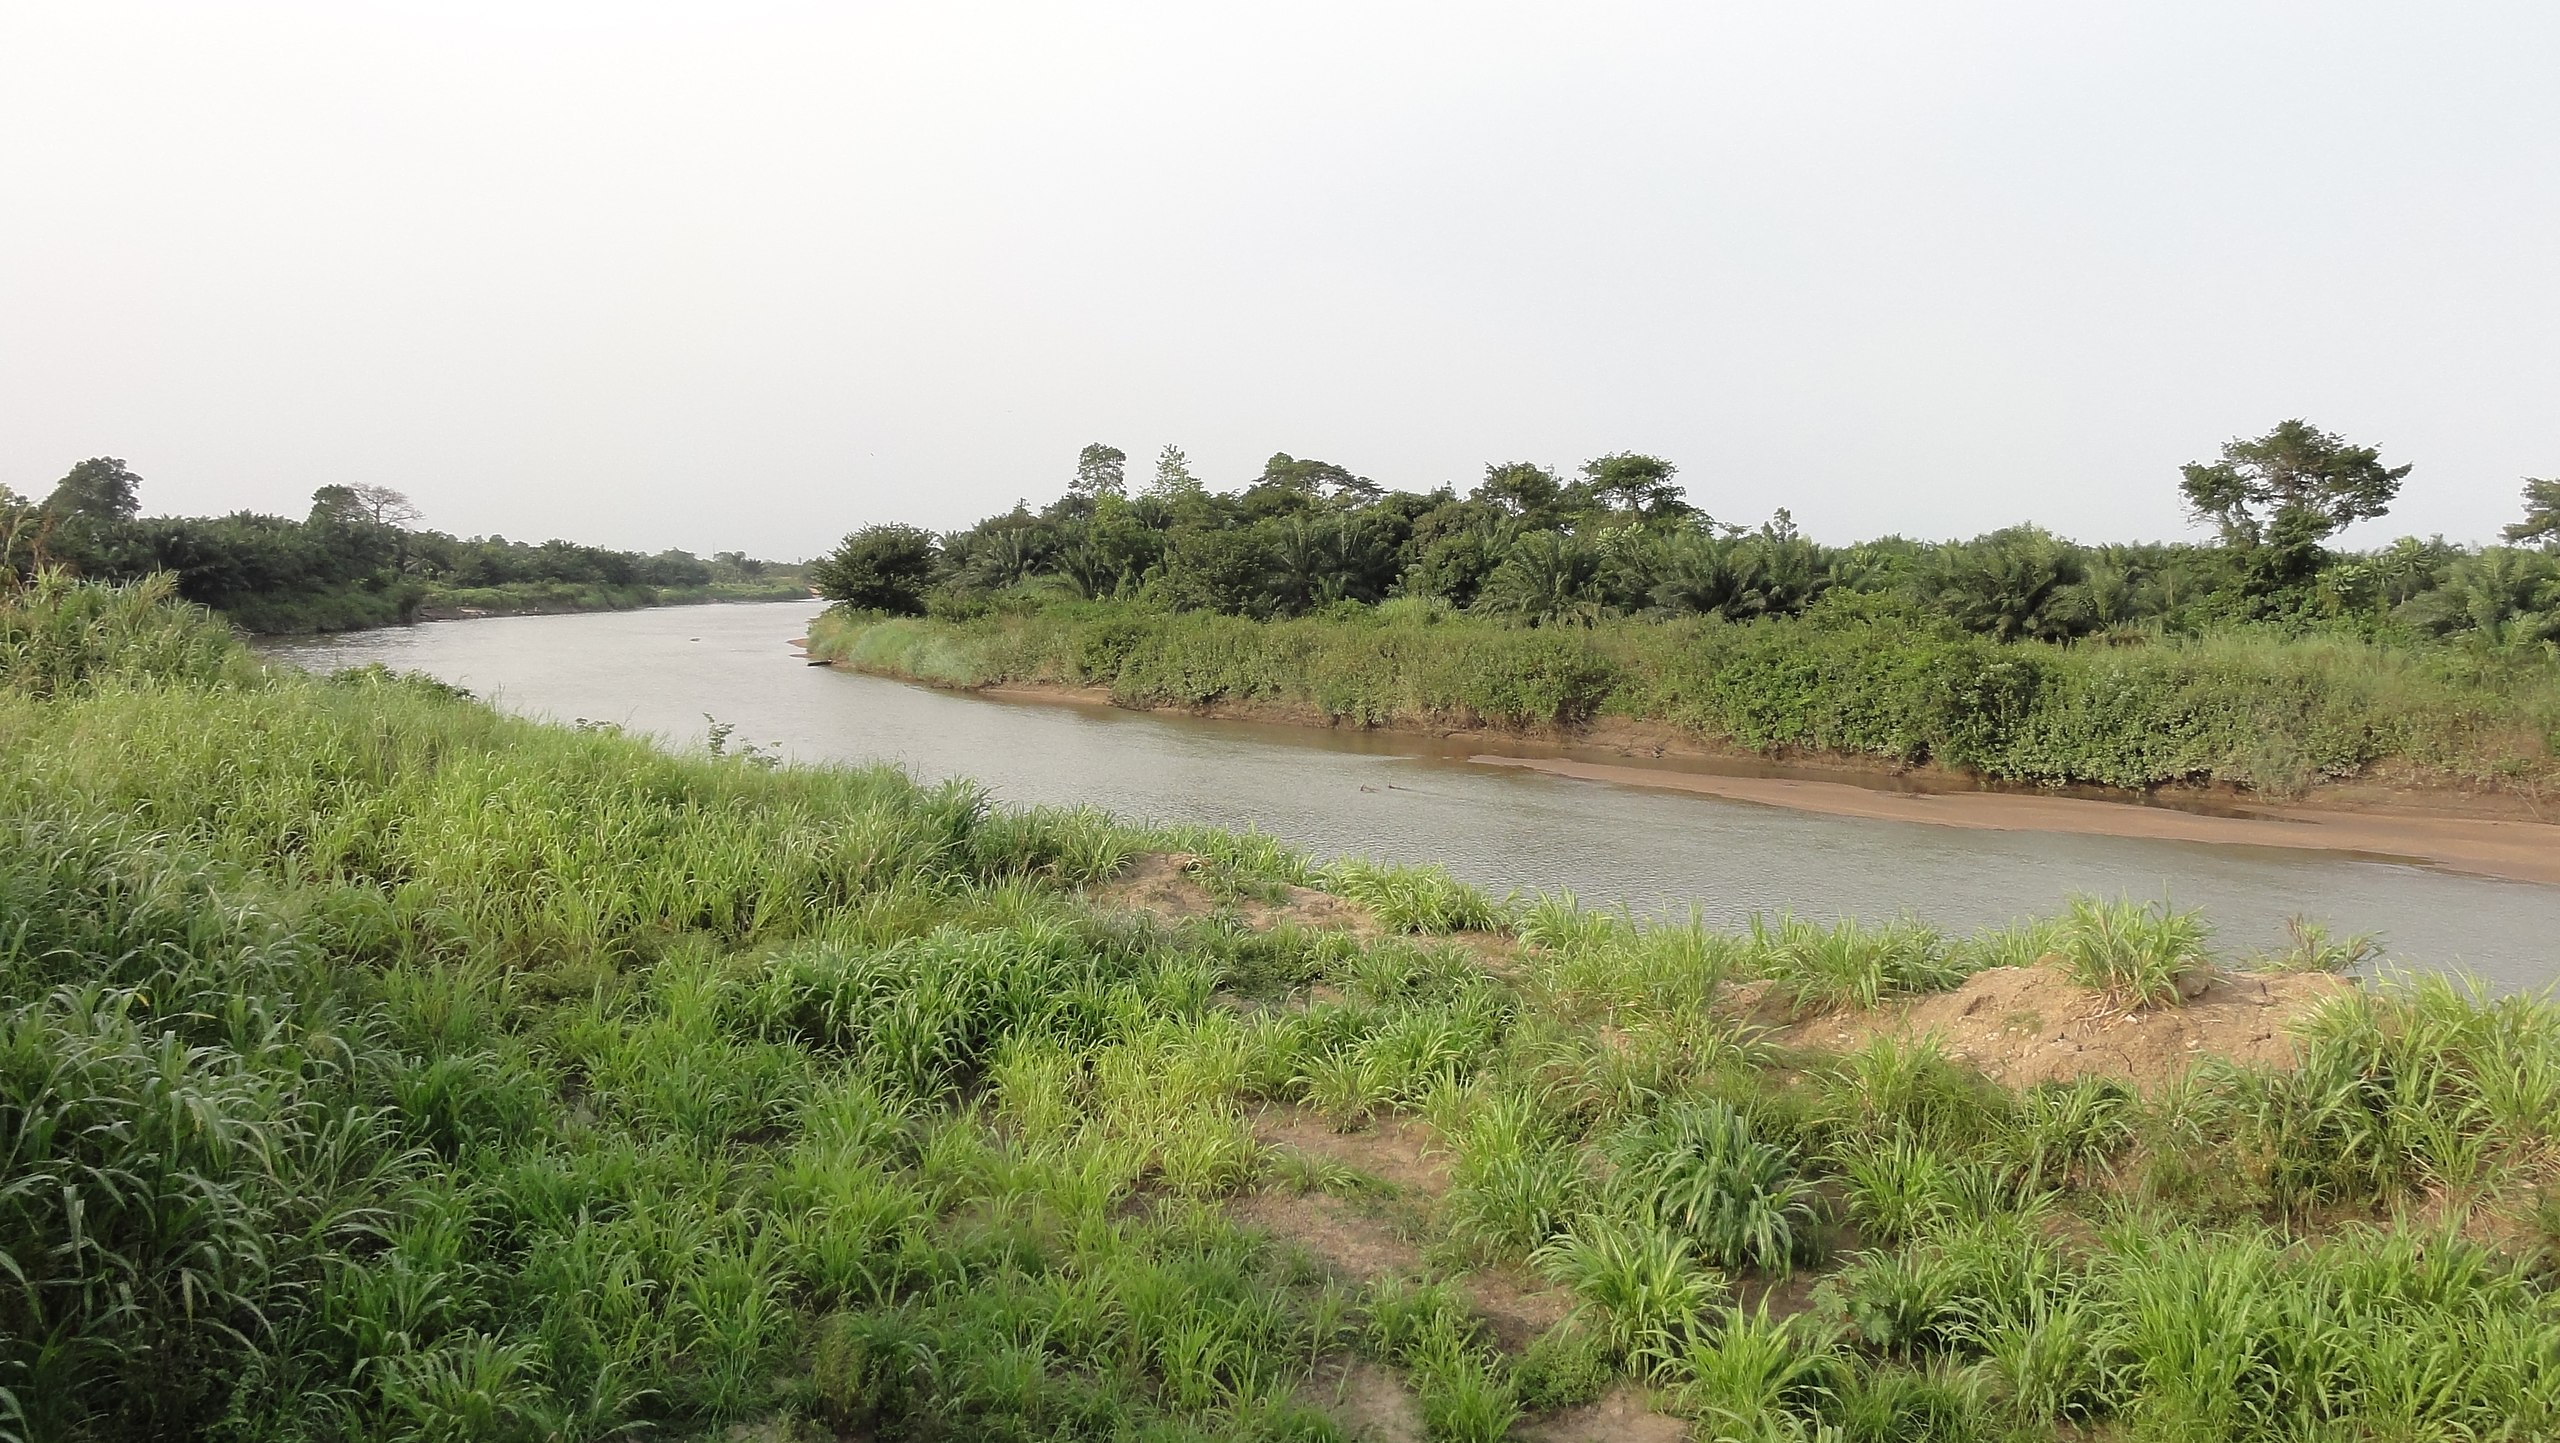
[(1622, 538), (359, 558)]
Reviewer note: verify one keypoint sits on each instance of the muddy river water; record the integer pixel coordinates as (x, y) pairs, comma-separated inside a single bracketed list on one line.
[(1408, 798)]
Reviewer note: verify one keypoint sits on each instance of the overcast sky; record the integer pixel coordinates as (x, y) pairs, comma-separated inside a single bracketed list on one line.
[(743, 275)]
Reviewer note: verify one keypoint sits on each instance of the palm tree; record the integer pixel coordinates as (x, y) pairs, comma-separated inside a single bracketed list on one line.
[(2504, 594), (1548, 578)]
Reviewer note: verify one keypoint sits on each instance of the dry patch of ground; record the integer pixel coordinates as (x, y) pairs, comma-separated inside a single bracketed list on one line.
[(1620, 1416), (1364, 1243), (1169, 885), (1351, 1241), (1359, 1243), (1399, 1150), (1369, 1401), (2025, 1025)]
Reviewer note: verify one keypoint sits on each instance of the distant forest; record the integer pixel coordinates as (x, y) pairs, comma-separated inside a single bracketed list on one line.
[(1621, 537), (359, 558)]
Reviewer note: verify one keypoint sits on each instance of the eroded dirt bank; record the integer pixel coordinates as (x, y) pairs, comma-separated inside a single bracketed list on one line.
[(2484, 834), (2493, 847)]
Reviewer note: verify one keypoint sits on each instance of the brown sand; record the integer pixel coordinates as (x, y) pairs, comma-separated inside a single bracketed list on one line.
[(2519, 850), (1168, 885), (2025, 1025), (1621, 1416), (1369, 1401)]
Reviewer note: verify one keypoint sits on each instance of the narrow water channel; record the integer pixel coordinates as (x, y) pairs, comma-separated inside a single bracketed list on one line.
[(666, 672)]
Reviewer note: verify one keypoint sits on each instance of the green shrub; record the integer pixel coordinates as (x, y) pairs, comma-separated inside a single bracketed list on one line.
[(58, 635), (1696, 1169), (2140, 956), (2255, 709), (1565, 1366), (1641, 1289)]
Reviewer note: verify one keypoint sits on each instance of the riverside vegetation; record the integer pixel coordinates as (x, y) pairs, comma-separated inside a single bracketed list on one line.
[(2264, 659), (377, 1066), (357, 560)]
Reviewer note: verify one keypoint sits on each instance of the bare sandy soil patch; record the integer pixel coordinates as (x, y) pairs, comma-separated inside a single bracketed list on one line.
[(1620, 1416), (1369, 1401), (1168, 885), (1366, 1243), (1350, 1241), (2025, 1025), (2525, 851), (1399, 1150)]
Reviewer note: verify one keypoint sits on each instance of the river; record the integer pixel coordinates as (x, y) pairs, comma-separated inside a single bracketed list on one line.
[(667, 672)]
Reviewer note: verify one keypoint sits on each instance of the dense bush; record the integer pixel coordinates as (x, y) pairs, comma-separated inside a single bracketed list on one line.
[(2259, 710), (354, 561)]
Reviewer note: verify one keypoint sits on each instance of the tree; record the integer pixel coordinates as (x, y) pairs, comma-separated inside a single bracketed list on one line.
[(101, 488), (2502, 594), (1545, 578), (878, 568), (1641, 484), (1226, 570), (1100, 471), (2021, 582), (1174, 480), (385, 507), (2541, 514), (2289, 489), (1453, 565), (1521, 489), (1311, 477)]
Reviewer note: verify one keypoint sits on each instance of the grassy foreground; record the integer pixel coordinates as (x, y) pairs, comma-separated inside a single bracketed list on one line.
[(374, 1066), (2258, 711)]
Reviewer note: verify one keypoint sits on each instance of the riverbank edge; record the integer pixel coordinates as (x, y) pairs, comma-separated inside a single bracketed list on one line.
[(2481, 835), (2382, 793), (448, 611)]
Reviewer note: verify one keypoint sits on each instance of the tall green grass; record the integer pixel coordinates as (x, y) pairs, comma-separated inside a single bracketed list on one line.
[(2265, 712), (377, 1067)]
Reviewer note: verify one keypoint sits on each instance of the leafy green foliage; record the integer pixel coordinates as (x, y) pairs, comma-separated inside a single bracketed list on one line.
[(878, 568), (2262, 711), (1696, 1170), (1641, 1290), (2292, 486), (59, 636)]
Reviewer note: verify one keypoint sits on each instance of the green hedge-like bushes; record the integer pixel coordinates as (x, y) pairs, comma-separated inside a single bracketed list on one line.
[(2260, 711)]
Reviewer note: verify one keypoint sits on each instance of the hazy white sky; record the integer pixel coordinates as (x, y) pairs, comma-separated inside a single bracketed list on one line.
[(746, 275)]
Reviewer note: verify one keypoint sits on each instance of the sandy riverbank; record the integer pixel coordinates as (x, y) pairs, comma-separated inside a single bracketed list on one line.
[(2520, 851), (2489, 835)]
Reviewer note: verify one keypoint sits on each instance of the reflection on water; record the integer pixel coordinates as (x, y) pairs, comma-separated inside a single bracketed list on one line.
[(1398, 798)]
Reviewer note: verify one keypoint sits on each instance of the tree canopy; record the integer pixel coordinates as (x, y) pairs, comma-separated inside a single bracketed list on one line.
[(1100, 471), (2294, 486), (2541, 515), (101, 488), (878, 568)]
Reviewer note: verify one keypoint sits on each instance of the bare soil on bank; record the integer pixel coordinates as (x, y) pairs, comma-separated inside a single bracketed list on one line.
[(2522, 851), (2020, 1026), (2484, 833)]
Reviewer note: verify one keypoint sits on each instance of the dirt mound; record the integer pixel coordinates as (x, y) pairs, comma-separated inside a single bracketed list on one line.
[(1398, 1150), (1169, 885), (1368, 1242), (1350, 1241), (1619, 1417), (1370, 1402), (2025, 1025)]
